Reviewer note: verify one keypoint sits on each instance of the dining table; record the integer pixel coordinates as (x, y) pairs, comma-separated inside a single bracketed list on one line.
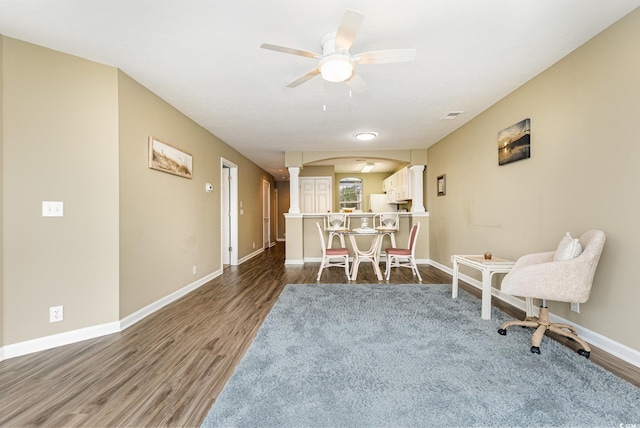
[(371, 254)]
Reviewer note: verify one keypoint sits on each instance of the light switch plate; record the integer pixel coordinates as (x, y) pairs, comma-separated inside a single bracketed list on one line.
[(52, 209)]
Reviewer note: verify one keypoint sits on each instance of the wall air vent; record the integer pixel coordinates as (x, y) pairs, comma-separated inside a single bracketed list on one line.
[(452, 115)]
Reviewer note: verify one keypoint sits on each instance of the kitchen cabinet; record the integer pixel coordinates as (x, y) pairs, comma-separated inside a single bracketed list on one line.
[(403, 185), (397, 187)]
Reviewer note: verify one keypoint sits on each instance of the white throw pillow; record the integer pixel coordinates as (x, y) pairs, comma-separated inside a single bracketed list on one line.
[(568, 248)]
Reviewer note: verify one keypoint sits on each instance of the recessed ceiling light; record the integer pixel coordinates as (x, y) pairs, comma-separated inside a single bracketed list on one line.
[(366, 136)]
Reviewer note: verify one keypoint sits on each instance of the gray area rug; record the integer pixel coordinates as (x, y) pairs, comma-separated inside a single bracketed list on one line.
[(380, 355)]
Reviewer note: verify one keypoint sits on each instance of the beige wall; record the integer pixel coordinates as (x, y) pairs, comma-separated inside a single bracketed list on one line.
[(318, 171), (250, 194), (168, 223), (283, 207), (76, 131), (582, 175), (60, 143)]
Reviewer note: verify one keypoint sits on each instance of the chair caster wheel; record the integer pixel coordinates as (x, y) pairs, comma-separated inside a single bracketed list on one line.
[(535, 350), (502, 331), (583, 353)]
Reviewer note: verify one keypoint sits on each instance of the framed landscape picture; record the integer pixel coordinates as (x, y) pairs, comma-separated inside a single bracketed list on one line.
[(166, 158), (514, 142)]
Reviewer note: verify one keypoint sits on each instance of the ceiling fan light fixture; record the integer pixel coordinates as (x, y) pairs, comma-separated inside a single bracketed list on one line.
[(336, 68), (336, 63), (366, 136), (368, 167)]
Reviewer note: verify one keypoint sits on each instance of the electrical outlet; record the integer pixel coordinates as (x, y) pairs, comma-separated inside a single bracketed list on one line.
[(56, 314), (195, 269), (254, 245), (575, 307)]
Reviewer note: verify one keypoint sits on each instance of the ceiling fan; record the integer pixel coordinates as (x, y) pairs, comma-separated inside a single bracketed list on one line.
[(336, 63)]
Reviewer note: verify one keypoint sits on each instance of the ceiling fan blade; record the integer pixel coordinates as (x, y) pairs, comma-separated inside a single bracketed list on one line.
[(349, 27), (385, 57), (290, 50), (356, 84), (310, 75)]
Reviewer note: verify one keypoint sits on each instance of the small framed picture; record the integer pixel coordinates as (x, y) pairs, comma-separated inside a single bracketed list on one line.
[(166, 158), (442, 185), (514, 142)]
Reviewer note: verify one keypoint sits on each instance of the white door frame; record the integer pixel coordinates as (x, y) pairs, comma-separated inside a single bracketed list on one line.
[(266, 214), (275, 212), (232, 185)]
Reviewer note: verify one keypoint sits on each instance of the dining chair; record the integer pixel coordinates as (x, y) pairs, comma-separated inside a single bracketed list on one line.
[(389, 223), (334, 222), (330, 256), (404, 257)]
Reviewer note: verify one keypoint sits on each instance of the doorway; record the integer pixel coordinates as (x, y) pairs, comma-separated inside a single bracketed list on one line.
[(229, 213)]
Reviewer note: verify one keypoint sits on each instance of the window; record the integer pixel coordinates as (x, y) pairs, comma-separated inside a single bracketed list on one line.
[(351, 193)]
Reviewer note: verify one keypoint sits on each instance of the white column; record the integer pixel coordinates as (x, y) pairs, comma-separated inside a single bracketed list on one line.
[(417, 188), (294, 189)]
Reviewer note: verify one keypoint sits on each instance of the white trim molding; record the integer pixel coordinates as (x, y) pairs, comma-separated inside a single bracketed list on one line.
[(61, 339), (250, 256), (140, 314), (73, 336)]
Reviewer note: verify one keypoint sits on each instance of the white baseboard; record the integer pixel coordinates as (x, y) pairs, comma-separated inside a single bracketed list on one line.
[(250, 256), (619, 350), (614, 348), (140, 314), (73, 336), (61, 339)]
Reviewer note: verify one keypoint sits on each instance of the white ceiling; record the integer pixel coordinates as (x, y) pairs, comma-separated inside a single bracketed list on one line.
[(204, 58)]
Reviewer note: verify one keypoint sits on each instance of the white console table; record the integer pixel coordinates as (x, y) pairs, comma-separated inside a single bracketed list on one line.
[(488, 269)]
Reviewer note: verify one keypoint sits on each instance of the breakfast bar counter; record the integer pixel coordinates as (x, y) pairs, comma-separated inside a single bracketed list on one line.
[(303, 244)]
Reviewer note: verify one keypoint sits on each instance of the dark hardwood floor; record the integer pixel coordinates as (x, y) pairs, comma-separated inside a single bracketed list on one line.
[(168, 369)]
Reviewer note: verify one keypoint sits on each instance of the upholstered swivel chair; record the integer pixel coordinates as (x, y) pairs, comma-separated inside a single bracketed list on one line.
[(555, 275), (404, 257), (330, 255)]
